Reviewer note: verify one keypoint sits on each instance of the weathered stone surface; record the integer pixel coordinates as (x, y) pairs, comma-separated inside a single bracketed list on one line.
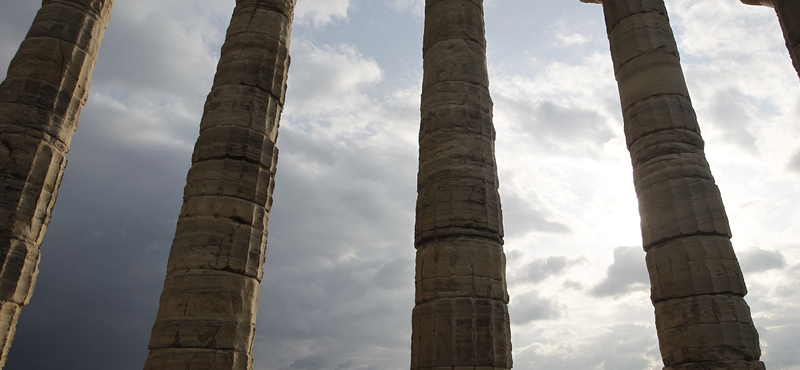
[(206, 317), (686, 267), (697, 286), (460, 320), (41, 98), (455, 333), (198, 359), (706, 328)]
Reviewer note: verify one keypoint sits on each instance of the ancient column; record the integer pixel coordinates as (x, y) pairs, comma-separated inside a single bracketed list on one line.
[(697, 286), (40, 102), (207, 312), (460, 320), (789, 17)]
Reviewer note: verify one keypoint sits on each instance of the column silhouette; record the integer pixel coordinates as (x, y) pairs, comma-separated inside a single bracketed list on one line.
[(789, 17), (697, 287), (40, 103), (460, 320), (207, 312)]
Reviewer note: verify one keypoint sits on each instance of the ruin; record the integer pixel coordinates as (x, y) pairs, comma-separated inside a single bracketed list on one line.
[(206, 317)]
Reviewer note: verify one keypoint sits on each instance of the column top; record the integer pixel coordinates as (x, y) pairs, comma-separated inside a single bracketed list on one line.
[(592, 1), (769, 3)]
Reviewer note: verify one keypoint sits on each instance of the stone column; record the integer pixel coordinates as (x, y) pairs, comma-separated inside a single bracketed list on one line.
[(697, 287), (460, 320), (207, 312), (40, 102), (789, 17)]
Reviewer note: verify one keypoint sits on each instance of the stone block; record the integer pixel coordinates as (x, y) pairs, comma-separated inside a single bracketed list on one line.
[(467, 206), (453, 19), (230, 178), (616, 11), (708, 328), (679, 208), (19, 261), (237, 143), (206, 309), (657, 114), (197, 359), (648, 76), (460, 267), (466, 332), (455, 60), (242, 106), (32, 170), (639, 35), (694, 265), (220, 233)]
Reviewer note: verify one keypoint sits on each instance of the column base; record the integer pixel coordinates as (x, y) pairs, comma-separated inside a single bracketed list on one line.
[(720, 365)]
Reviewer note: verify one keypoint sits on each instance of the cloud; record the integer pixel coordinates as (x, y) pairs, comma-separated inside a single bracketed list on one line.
[(626, 274), (521, 217), (731, 113), (531, 306), (320, 12), (612, 347), (328, 80), (760, 260), (794, 163), (543, 268)]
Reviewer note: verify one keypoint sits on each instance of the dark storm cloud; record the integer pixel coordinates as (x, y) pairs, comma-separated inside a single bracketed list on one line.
[(626, 274), (760, 260)]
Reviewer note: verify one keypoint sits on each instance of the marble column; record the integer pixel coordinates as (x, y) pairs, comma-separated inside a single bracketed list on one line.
[(207, 312), (460, 320), (789, 17), (40, 103), (697, 287)]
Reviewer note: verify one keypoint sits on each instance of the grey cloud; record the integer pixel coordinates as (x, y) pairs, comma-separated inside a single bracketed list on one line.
[(794, 163), (729, 114), (543, 268), (555, 128), (617, 347), (626, 274), (521, 217), (530, 306), (760, 260)]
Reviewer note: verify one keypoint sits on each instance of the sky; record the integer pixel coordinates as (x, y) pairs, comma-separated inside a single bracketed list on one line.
[(338, 286)]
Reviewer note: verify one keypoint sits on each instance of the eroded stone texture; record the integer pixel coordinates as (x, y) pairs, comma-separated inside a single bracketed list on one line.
[(40, 103), (206, 317), (789, 17), (460, 320), (697, 287)]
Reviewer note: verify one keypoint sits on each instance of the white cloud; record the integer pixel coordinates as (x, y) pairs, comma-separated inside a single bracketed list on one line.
[(320, 12)]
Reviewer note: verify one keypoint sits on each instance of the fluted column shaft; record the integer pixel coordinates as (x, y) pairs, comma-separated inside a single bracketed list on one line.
[(207, 312), (460, 320), (789, 17), (697, 286), (40, 102)]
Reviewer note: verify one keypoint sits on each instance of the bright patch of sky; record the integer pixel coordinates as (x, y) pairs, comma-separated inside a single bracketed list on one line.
[(338, 284)]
